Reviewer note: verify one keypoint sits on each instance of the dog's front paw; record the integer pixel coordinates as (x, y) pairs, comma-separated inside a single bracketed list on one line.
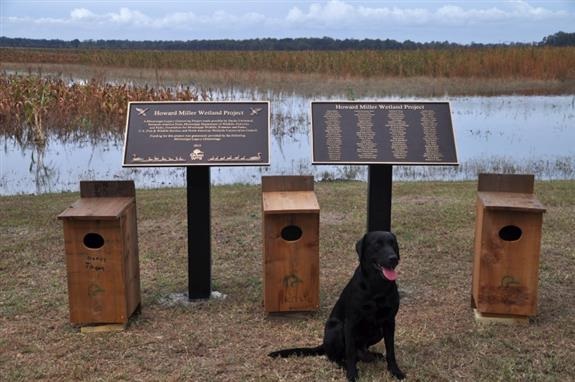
[(396, 372), (351, 375)]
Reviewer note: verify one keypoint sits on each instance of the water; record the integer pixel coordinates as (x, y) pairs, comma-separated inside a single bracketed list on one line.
[(511, 134)]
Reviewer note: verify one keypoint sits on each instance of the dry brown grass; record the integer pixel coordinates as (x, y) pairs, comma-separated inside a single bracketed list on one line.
[(225, 340), (534, 62), (306, 84)]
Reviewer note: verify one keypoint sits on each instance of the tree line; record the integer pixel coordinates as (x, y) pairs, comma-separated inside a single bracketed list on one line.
[(271, 44)]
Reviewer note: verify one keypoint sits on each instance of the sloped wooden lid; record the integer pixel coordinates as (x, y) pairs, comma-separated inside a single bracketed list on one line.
[(289, 202), (510, 201), (97, 208)]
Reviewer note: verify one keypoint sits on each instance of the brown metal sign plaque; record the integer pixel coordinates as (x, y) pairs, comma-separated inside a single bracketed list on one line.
[(177, 134), (403, 133)]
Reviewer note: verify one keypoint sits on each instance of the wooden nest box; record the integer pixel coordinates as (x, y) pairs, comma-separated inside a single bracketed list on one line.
[(291, 244), (507, 246), (101, 245)]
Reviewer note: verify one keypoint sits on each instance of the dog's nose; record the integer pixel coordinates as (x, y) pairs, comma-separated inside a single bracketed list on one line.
[(393, 260)]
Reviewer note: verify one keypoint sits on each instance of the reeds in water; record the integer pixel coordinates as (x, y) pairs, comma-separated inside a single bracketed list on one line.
[(33, 107)]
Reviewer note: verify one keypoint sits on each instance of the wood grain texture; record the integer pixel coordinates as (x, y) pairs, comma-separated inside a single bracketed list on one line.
[(499, 319), (506, 268), (290, 202), (96, 287), (287, 183), (97, 208), (506, 183), (103, 328), (107, 188), (104, 278), (290, 266), (511, 201)]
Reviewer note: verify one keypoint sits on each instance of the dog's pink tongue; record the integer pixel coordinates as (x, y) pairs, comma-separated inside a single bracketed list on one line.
[(389, 274)]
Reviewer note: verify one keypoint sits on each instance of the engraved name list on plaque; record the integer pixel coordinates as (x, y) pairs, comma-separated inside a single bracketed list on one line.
[(403, 133)]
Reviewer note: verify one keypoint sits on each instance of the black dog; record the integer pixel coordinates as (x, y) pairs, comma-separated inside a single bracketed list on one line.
[(365, 311)]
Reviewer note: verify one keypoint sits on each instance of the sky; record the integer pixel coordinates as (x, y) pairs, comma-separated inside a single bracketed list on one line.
[(486, 21)]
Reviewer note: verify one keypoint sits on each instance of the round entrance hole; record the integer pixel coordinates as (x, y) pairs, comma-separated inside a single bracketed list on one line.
[(291, 233), (93, 241), (510, 233)]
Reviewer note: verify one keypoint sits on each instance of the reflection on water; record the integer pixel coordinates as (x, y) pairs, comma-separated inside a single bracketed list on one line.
[(43, 174), (494, 134)]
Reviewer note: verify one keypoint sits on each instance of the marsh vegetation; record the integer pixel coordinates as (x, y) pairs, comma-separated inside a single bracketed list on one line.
[(536, 62), (58, 104)]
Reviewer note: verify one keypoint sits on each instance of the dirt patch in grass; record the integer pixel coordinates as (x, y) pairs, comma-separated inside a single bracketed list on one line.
[(228, 339)]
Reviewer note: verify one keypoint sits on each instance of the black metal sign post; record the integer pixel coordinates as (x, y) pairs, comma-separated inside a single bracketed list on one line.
[(197, 135), (379, 181), (199, 232), (380, 135)]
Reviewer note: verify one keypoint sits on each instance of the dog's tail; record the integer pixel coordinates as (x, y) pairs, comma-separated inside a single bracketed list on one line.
[(299, 352)]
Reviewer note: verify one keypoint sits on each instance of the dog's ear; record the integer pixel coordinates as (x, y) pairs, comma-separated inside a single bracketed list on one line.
[(395, 244), (359, 247)]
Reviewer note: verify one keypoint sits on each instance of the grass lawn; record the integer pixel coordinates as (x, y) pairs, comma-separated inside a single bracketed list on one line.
[(437, 338)]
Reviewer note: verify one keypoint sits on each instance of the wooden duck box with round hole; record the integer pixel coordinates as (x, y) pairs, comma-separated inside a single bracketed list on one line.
[(101, 245), (507, 246), (291, 244)]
